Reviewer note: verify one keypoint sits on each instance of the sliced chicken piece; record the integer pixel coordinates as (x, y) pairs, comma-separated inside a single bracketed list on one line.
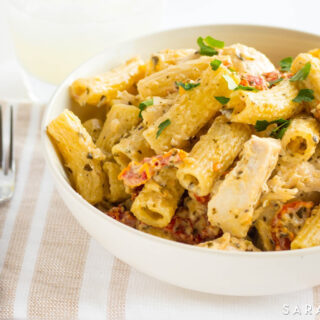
[(229, 243), (248, 60), (292, 177), (232, 206)]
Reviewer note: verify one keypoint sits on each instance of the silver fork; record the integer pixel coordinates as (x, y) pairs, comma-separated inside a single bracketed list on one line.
[(7, 165)]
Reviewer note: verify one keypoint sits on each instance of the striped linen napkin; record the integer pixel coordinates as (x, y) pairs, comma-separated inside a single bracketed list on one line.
[(50, 268)]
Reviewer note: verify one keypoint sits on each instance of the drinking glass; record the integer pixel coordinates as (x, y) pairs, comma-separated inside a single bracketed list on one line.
[(53, 37)]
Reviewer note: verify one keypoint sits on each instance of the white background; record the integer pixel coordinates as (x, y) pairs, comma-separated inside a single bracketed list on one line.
[(297, 14)]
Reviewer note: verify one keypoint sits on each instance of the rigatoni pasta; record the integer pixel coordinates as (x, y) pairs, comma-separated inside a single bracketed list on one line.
[(211, 146), (100, 90), (184, 116), (156, 203), (313, 79), (81, 157), (115, 191), (212, 155), (93, 127), (309, 235), (134, 147), (300, 140), (163, 82), (120, 120), (249, 107)]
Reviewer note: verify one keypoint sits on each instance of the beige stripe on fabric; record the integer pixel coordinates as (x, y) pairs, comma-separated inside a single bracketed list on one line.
[(58, 272), (116, 305), (13, 260), (316, 301), (20, 132)]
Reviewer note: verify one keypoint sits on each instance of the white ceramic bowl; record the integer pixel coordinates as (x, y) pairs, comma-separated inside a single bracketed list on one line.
[(220, 272)]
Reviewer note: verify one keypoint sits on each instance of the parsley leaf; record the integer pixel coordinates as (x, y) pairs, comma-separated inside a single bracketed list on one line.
[(246, 88), (285, 64), (231, 83), (215, 64), (304, 95), (222, 100), (214, 42), (162, 126), (278, 132), (143, 105), (271, 83), (187, 86), (302, 73), (261, 125), (204, 49)]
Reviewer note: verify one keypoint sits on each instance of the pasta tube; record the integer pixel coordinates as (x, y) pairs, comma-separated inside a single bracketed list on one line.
[(115, 191), (313, 79), (132, 148), (191, 112), (100, 90), (301, 138), (165, 58), (271, 104), (232, 206), (290, 178), (120, 119), (315, 53), (163, 82), (248, 60), (156, 203), (309, 235), (212, 155), (93, 127), (160, 107), (80, 156)]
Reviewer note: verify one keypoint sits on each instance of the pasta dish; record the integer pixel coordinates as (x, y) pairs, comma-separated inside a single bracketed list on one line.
[(213, 147)]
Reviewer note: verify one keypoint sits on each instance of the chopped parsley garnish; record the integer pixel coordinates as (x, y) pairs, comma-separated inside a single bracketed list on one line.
[(162, 126), (302, 73), (206, 50), (187, 86), (222, 100), (285, 64), (215, 64), (143, 105), (271, 83), (304, 95), (231, 83), (278, 132), (214, 42), (246, 88)]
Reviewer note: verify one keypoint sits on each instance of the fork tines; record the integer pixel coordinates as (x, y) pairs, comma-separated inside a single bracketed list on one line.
[(6, 152)]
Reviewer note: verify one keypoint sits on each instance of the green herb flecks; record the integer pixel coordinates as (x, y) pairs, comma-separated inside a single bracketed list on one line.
[(246, 88), (206, 50), (215, 64), (302, 73), (271, 83), (143, 105), (222, 100), (214, 42), (162, 126), (278, 132), (187, 86), (285, 64), (304, 95)]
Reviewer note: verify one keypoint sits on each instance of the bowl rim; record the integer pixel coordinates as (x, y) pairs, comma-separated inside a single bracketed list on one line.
[(61, 181)]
